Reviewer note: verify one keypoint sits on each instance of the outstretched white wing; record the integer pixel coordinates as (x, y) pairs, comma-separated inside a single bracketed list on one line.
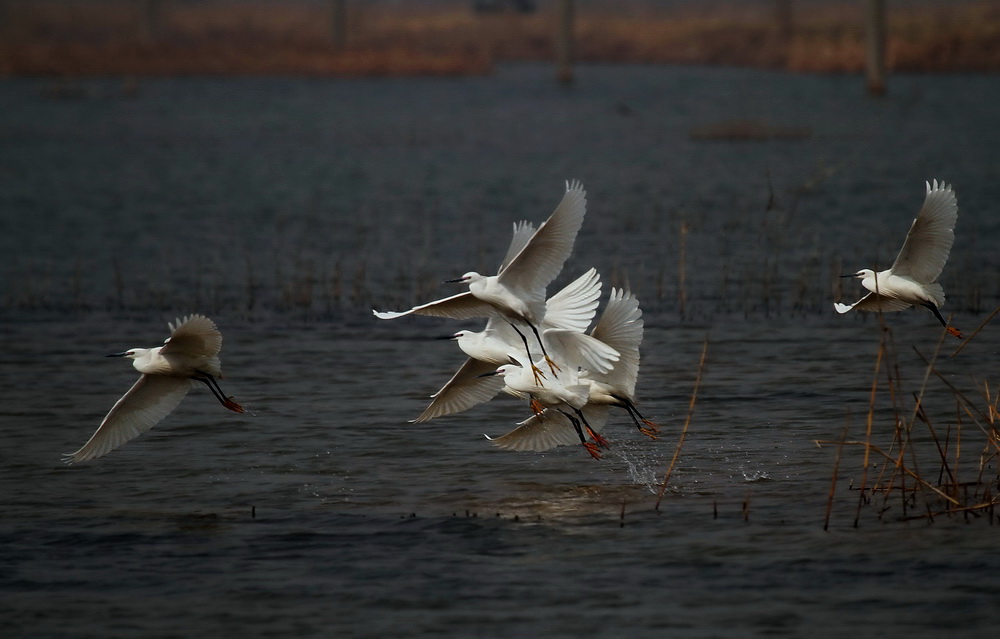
[(873, 302), (621, 327), (150, 399), (542, 258), (464, 390), (575, 305), (461, 306), (931, 235), (194, 336), (522, 234), (544, 432)]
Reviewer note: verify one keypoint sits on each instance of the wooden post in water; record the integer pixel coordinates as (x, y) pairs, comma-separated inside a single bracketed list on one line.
[(149, 20), (338, 23), (784, 17), (875, 29), (564, 41)]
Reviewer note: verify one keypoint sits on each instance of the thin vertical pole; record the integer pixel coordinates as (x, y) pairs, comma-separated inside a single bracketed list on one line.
[(564, 41), (338, 23), (784, 17), (149, 20), (875, 30)]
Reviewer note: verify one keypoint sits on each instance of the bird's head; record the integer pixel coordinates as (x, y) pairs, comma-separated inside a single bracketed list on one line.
[(468, 278), (862, 274), (506, 369), (132, 353)]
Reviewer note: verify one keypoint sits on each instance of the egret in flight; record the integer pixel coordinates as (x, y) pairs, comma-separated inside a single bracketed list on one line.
[(571, 309), (620, 326), (912, 278), (190, 353), (517, 292)]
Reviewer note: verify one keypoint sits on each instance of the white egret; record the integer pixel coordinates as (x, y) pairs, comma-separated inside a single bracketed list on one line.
[(190, 353), (517, 292), (563, 395), (570, 309), (621, 327), (912, 278)]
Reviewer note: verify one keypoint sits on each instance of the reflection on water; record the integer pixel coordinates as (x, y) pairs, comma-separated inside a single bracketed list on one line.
[(285, 209)]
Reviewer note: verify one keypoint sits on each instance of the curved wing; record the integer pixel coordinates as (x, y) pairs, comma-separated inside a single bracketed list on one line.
[(522, 233), (579, 350), (540, 433), (575, 305), (150, 399), (873, 302), (461, 306), (194, 336), (931, 235), (540, 261), (621, 328), (464, 390)]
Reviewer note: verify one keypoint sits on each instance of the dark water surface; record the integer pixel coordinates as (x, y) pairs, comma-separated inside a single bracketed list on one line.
[(287, 208)]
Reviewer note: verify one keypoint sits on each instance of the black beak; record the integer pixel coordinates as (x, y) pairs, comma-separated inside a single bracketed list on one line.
[(446, 337), (490, 374), (454, 281), (122, 354), (849, 275)]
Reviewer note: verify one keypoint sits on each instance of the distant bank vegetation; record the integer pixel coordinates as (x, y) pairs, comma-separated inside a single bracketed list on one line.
[(167, 37)]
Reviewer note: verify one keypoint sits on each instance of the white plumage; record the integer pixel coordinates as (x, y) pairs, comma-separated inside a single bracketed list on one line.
[(190, 353), (912, 278)]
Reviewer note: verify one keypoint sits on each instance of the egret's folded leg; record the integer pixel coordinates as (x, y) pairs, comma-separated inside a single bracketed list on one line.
[(535, 371), (951, 329), (590, 446), (213, 385)]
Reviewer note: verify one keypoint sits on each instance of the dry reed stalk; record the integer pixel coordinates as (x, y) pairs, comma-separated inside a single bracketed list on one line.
[(902, 468), (833, 478), (869, 419), (975, 332), (687, 423), (681, 262)]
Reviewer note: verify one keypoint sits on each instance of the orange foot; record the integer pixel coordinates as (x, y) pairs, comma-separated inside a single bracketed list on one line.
[(652, 428), (552, 366), (597, 437), (536, 407), (539, 375), (233, 406), (954, 331), (592, 449)]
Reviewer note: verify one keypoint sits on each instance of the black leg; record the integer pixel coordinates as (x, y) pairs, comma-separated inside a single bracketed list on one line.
[(649, 429), (552, 365), (534, 369), (213, 385), (951, 329)]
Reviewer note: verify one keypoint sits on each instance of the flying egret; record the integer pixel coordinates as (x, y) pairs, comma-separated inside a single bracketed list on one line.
[(563, 395), (570, 309), (912, 278), (190, 353), (517, 291), (621, 327)]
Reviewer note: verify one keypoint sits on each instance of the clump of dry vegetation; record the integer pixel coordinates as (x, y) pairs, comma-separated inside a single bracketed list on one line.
[(268, 37), (920, 465)]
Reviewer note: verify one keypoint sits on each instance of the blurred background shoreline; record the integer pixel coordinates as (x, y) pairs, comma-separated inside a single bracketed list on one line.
[(453, 37)]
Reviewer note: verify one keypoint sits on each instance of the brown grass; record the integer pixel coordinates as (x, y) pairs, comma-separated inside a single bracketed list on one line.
[(924, 471), (215, 36)]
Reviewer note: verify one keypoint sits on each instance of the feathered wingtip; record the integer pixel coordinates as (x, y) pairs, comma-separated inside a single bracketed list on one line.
[(934, 185), (575, 185), (178, 322)]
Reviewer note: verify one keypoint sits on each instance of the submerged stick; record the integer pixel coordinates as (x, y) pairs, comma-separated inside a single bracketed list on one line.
[(687, 422)]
